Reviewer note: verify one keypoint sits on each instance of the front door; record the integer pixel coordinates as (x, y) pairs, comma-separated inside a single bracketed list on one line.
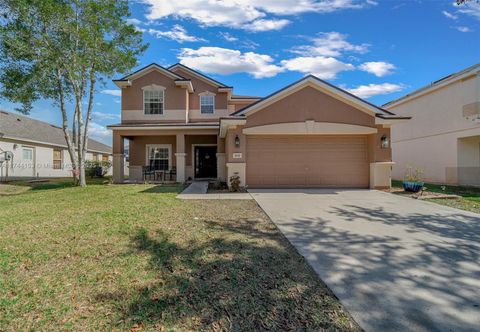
[(205, 162)]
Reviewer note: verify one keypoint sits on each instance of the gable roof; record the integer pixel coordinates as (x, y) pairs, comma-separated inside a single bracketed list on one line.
[(200, 75), (142, 70), (449, 79), (23, 128), (313, 80)]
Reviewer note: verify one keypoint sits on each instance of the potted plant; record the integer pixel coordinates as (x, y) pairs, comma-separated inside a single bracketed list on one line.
[(413, 181)]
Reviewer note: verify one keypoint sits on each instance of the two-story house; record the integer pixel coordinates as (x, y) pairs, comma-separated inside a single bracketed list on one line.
[(443, 138), (309, 133)]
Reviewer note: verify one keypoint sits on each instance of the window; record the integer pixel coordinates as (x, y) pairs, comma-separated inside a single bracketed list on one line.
[(95, 157), (153, 101), (207, 104), (57, 159), (158, 157), (27, 154), (104, 157)]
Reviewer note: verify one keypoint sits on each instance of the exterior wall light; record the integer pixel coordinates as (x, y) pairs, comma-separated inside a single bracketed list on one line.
[(237, 141), (385, 142)]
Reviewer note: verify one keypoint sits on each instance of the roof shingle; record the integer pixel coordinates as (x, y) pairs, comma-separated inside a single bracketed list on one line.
[(20, 127)]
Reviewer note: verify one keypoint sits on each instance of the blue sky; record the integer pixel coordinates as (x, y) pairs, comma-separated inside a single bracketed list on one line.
[(379, 50)]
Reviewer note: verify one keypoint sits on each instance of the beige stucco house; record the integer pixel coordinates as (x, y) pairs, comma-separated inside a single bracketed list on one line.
[(443, 137), (310, 133), (39, 149)]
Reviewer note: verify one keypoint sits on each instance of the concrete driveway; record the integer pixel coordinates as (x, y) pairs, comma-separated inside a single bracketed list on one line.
[(397, 264)]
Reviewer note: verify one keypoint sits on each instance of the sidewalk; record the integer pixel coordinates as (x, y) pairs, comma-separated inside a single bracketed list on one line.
[(198, 190)]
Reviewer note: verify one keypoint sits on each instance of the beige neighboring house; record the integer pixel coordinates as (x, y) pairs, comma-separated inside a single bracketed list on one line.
[(443, 137), (39, 148), (308, 134)]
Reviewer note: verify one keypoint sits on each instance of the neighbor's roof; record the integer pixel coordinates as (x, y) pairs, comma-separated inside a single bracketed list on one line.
[(449, 79), (22, 128)]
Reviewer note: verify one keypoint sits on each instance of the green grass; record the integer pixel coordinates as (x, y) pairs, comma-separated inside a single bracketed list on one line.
[(131, 257), (469, 201)]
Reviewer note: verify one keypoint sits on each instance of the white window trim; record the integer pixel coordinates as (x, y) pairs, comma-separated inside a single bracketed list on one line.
[(206, 93), (168, 146), (61, 159), (153, 87), (31, 148)]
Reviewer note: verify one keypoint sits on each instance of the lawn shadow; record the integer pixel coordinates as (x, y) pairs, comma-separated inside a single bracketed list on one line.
[(229, 283)]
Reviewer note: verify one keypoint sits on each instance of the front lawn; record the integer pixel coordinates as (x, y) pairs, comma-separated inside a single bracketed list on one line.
[(133, 257), (469, 196)]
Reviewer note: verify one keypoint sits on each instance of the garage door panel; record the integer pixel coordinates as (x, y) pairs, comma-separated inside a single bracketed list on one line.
[(321, 161)]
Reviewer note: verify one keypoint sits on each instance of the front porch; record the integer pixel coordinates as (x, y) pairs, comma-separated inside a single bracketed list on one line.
[(166, 155)]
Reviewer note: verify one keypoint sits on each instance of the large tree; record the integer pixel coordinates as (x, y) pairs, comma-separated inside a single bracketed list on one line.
[(61, 50)]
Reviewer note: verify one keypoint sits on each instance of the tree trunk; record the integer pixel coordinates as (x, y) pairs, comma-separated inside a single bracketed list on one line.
[(66, 133), (89, 109), (81, 152)]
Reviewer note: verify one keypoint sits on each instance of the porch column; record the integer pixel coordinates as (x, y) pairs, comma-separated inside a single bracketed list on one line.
[(180, 157), (118, 157), (221, 167)]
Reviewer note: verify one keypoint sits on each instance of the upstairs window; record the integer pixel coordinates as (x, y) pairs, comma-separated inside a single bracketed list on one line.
[(153, 101), (207, 103)]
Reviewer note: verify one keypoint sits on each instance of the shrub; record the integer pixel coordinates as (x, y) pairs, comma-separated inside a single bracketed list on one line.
[(97, 168), (413, 174), (235, 183)]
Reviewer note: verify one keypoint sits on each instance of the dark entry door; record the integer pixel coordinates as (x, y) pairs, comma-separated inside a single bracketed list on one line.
[(205, 161)]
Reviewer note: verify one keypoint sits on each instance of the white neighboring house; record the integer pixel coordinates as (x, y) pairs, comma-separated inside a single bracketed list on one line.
[(39, 148), (443, 136)]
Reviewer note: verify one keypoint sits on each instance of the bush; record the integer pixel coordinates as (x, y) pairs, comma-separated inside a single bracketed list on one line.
[(413, 174), (97, 168), (235, 183)]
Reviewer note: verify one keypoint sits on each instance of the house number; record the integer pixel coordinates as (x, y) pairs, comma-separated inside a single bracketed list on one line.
[(237, 155)]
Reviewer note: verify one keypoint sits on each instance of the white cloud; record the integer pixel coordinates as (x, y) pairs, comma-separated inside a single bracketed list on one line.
[(98, 131), (370, 90), (329, 44), (217, 60), (377, 68), (289, 7), (115, 92), (242, 13), (178, 33), (248, 44), (471, 8), (266, 25), (117, 101), (449, 15), (322, 67), (228, 37), (463, 29), (100, 116), (133, 21)]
